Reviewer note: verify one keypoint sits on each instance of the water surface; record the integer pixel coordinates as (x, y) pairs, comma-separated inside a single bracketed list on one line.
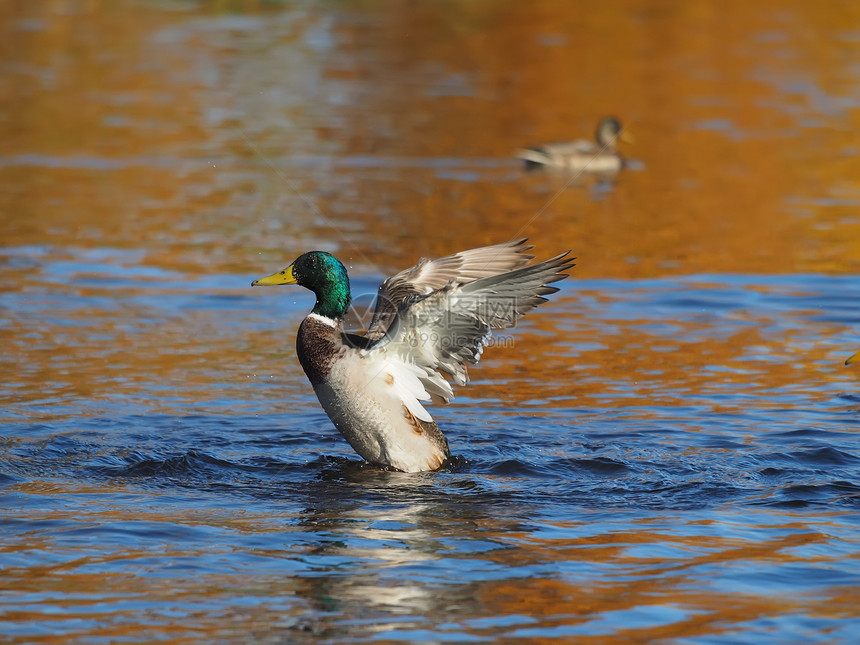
[(667, 450)]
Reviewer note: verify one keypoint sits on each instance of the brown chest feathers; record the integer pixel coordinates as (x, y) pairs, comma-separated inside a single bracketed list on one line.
[(318, 344)]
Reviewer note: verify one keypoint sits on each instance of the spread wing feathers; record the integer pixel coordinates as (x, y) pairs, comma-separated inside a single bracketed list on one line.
[(441, 332), (402, 381), (431, 275)]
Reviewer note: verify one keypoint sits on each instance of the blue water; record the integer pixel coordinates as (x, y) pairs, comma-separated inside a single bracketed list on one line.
[(215, 500)]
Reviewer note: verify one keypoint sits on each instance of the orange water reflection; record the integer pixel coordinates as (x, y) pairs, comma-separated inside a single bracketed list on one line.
[(741, 172), (672, 581)]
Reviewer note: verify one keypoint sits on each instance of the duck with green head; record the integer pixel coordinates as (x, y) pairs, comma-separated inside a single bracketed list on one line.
[(600, 156), (430, 320)]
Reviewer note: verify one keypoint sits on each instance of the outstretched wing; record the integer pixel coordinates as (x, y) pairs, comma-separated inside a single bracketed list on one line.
[(443, 331), (431, 275)]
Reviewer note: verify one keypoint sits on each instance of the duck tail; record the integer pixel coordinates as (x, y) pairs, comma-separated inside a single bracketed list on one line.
[(534, 158)]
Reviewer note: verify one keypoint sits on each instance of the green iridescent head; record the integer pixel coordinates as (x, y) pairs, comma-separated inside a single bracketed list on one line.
[(323, 274)]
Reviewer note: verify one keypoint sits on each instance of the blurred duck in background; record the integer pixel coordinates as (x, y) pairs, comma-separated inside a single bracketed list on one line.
[(600, 156)]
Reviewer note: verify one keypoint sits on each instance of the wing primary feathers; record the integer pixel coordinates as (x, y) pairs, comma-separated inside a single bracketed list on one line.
[(442, 331), (428, 276)]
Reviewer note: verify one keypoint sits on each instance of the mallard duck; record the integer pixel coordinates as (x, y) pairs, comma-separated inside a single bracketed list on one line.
[(430, 320), (598, 156), (854, 358)]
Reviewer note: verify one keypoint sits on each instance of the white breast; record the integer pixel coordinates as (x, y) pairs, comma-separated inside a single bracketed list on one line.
[(371, 399)]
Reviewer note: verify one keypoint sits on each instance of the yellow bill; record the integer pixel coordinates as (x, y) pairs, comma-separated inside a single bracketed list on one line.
[(626, 137), (855, 358), (281, 277)]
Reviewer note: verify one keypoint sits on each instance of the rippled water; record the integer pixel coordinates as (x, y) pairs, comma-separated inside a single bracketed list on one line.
[(653, 497), (666, 450)]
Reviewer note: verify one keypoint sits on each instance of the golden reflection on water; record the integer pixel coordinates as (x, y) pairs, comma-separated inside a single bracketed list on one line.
[(183, 135), (741, 173), (595, 575)]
